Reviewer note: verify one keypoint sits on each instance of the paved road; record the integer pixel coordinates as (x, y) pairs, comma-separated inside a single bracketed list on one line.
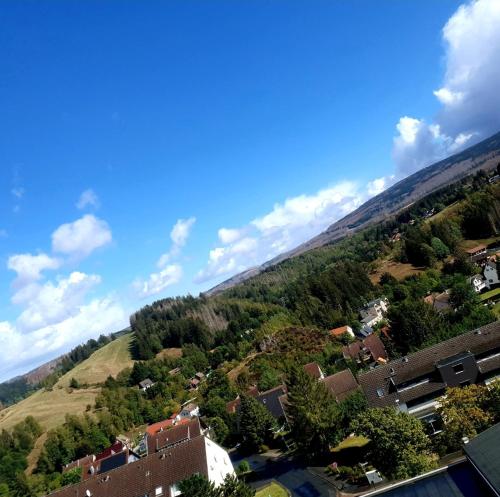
[(294, 476)]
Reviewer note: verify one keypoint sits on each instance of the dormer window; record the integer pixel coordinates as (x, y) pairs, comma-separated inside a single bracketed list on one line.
[(458, 368), (380, 392), (158, 491)]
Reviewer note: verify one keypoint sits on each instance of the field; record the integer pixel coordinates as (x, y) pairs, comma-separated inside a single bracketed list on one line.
[(397, 269), (50, 407), (272, 490), (108, 360), (171, 353)]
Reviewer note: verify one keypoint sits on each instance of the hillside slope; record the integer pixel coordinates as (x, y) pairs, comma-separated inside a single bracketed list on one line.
[(50, 407), (484, 155)]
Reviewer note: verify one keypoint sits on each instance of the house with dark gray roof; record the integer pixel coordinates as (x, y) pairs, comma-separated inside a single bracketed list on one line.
[(483, 452), (159, 473), (414, 383)]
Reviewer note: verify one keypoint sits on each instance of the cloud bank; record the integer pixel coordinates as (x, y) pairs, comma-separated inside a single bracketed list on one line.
[(469, 96)]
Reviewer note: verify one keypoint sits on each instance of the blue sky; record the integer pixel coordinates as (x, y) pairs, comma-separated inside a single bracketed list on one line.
[(267, 120)]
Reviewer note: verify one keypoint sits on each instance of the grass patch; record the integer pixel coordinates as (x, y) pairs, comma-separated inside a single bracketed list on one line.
[(108, 360), (272, 490), (351, 442), (496, 310), (489, 295)]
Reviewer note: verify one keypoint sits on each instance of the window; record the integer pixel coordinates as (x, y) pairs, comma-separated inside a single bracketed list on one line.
[(380, 392), (158, 491), (458, 368)]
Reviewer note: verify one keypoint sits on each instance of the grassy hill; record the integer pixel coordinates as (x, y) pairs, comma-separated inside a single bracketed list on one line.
[(50, 407)]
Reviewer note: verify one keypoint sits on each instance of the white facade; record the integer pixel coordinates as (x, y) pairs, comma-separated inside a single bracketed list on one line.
[(188, 411), (218, 462), (478, 283)]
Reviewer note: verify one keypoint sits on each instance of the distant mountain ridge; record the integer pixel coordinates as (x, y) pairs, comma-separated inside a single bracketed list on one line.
[(483, 155)]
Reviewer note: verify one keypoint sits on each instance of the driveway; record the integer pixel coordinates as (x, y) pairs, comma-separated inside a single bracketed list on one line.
[(291, 474)]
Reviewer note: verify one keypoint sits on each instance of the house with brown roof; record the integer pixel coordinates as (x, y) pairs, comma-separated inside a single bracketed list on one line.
[(341, 385), (159, 473), (478, 253), (368, 351), (415, 382), (313, 369), (440, 301), (341, 331), (182, 432)]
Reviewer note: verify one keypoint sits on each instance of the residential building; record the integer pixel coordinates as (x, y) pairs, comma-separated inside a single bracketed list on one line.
[(415, 383), (368, 351), (313, 369), (341, 385), (270, 399), (145, 384), (477, 254), (478, 283), (158, 474), (440, 301), (170, 437), (372, 314), (340, 332), (490, 273), (188, 411), (483, 452)]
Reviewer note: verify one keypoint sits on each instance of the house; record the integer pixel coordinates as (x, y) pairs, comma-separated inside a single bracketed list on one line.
[(161, 425), (112, 457), (477, 254), (170, 437), (190, 410), (340, 332), (341, 385), (174, 372), (415, 383), (440, 301), (145, 384), (478, 283), (483, 452), (370, 350), (200, 376), (490, 273), (372, 314), (270, 399), (313, 369), (158, 474)]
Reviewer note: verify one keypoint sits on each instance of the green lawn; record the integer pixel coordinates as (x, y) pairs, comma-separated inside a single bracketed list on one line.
[(351, 442), (272, 490), (489, 295)]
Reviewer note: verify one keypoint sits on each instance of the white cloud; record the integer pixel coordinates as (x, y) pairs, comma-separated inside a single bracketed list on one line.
[(469, 94), (18, 192), (179, 236), (29, 267), (81, 237), (21, 351), (51, 303), (88, 198), (230, 235), (378, 185), (287, 225), (157, 282)]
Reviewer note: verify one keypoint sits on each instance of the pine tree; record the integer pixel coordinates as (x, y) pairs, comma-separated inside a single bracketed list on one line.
[(256, 423), (312, 413)]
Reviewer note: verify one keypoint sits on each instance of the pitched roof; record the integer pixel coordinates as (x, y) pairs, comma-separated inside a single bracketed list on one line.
[(146, 383), (377, 382), (161, 425), (185, 430), (372, 343), (144, 476), (341, 384), (338, 332), (313, 370), (484, 452), (270, 399), (475, 249)]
